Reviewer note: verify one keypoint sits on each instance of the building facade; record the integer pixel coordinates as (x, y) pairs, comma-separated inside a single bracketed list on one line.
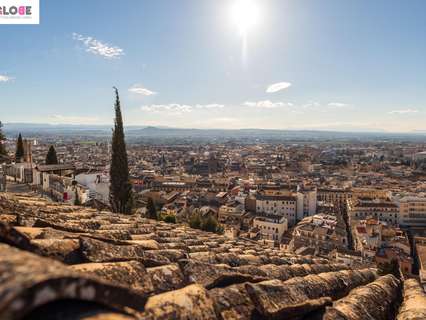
[(306, 203), (277, 203), (340, 196), (381, 209), (270, 227), (412, 211)]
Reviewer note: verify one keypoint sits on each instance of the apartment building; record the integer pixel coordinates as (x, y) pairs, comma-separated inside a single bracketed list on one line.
[(379, 241), (306, 202), (412, 211), (334, 195), (270, 227), (375, 193), (321, 231), (381, 209), (279, 203), (231, 212)]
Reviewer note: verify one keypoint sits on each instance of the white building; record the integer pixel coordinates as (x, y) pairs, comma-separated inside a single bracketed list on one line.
[(306, 203), (277, 203), (98, 185), (270, 227), (384, 210), (419, 156), (230, 211), (412, 211)]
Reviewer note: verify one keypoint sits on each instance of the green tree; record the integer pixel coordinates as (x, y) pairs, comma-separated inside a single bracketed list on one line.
[(120, 190), (19, 154), (3, 152), (151, 211), (170, 219), (391, 267), (209, 223), (77, 201), (195, 221), (51, 157)]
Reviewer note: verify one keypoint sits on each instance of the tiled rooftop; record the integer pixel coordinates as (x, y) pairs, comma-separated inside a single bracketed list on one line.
[(66, 262)]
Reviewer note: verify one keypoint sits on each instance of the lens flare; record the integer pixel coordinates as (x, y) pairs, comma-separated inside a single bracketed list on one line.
[(245, 14)]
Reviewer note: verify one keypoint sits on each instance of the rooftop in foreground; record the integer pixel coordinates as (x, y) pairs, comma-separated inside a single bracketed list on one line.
[(66, 262)]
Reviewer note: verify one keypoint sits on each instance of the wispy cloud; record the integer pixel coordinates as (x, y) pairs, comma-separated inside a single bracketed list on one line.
[(179, 109), (172, 108), (139, 89), (312, 105), (209, 106), (228, 111), (267, 104), (97, 47), (4, 78), (338, 105), (278, 87), (326, 107), (404, 111)]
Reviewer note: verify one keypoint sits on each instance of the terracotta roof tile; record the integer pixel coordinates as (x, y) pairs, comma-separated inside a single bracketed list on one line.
[(78, 263)]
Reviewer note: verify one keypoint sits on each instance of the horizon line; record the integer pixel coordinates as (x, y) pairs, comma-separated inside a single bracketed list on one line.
[(163, 127)]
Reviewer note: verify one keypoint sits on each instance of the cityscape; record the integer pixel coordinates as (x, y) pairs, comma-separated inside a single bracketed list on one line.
[(263, 195)]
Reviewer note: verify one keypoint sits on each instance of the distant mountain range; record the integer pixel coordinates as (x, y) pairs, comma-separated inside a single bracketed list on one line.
[(150, 132)]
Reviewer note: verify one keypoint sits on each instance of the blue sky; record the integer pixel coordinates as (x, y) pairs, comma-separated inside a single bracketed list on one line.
[(341, 65)]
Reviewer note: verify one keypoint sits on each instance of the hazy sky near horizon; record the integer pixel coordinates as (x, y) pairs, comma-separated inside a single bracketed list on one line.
[(306, 64)]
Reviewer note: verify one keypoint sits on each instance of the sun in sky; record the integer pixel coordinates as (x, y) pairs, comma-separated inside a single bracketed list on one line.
[(245, 14), (331, 64)]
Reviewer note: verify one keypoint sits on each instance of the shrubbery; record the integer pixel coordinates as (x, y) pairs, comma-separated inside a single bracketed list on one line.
[(169, 219), (208, 223), (391, 267), (152, 212)]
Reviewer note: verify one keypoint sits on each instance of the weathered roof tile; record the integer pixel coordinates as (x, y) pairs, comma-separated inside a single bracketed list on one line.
[(166, 278), (128, 273), (128, 267), (300, 295), (211, 276), (94, 250), (191, 302), (233, 302), (376, 300), (28, 281), (414, 303)]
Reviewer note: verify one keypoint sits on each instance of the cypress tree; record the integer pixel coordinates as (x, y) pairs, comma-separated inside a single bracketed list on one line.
[(51, 157), (120, 189), (150, 209), (19, 154), (209, 223), (195, 221), (77, 201), (3, 152)]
